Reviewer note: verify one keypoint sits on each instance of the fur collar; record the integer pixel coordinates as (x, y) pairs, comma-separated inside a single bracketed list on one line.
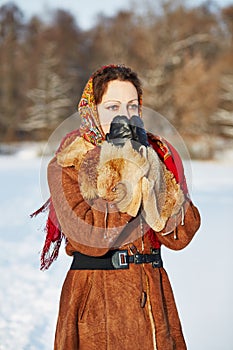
[(74, 152)]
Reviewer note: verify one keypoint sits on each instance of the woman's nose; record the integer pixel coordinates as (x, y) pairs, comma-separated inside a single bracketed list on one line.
[(124, 110)]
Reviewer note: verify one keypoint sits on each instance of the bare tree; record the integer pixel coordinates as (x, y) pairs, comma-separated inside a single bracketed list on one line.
[(223, 117), (50, 98), (10, 26)]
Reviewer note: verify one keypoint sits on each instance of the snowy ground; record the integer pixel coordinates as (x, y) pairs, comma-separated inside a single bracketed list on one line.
[(201, 274)]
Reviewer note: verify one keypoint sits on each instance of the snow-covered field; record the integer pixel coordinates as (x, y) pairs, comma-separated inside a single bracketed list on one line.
[(201, 274)]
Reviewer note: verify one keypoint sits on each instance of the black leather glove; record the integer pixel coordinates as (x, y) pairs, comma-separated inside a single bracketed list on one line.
[(139, 136), (120, 131)]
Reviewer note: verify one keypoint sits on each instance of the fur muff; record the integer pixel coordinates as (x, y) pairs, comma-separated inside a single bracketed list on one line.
[(162, 195), (120, 173)]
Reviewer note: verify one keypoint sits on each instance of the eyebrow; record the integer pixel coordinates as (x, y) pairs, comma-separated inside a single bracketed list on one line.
[(107, 101)]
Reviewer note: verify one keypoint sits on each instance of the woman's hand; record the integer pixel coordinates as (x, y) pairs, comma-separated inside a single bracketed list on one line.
[(139, 136), (123, 129), (120, 131)]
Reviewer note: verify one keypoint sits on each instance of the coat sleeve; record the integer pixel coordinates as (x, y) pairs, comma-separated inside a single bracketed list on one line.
[(185, 230), (91, 227)]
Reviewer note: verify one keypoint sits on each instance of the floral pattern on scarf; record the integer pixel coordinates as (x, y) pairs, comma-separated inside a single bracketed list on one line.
[(90, 127)]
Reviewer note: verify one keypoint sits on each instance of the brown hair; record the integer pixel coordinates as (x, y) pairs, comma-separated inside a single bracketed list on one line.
[(104, 75)]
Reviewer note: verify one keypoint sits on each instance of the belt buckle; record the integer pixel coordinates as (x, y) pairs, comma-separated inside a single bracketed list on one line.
[(119, 259)]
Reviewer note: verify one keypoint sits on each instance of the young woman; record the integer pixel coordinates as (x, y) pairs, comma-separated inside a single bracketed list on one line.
[(117, 194)]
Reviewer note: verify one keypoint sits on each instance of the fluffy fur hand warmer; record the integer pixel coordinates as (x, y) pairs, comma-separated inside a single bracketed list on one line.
[(162, 196), (120, 174)]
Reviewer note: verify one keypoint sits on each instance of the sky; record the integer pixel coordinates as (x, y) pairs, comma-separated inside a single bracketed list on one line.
[(85, 12)]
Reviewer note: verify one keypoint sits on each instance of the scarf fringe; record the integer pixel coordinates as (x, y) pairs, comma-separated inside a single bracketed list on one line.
[(42, 209), (54, 236), (50, 253)]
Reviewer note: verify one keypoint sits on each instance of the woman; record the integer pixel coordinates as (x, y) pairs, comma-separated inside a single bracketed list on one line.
[(117, 194)]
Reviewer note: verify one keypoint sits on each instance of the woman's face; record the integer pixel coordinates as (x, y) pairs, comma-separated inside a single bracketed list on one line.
[(120, 98)]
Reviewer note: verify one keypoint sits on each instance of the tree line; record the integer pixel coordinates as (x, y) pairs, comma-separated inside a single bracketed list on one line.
[(183, 55)]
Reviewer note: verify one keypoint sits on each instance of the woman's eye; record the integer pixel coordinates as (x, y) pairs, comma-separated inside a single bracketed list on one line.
[(113, 108), (133, 107)]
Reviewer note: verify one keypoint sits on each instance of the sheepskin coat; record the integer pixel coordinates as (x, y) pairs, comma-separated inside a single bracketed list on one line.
[(131, 309)]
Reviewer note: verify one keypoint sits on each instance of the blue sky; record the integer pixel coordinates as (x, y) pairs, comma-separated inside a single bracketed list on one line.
[(85, 11)]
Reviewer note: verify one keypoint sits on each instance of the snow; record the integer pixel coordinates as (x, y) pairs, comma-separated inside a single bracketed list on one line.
[(201, 274)]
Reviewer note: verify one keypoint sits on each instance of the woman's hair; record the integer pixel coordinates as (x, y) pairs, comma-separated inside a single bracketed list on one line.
[(104, 75)]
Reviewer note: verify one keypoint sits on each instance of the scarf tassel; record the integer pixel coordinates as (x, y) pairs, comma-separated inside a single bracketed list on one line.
[(42, 209), (54, 236)]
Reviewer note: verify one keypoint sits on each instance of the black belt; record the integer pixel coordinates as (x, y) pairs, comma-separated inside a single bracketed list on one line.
[(115, 260)]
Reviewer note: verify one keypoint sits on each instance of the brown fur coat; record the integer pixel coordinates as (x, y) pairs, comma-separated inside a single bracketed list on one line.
[(129, 309)]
